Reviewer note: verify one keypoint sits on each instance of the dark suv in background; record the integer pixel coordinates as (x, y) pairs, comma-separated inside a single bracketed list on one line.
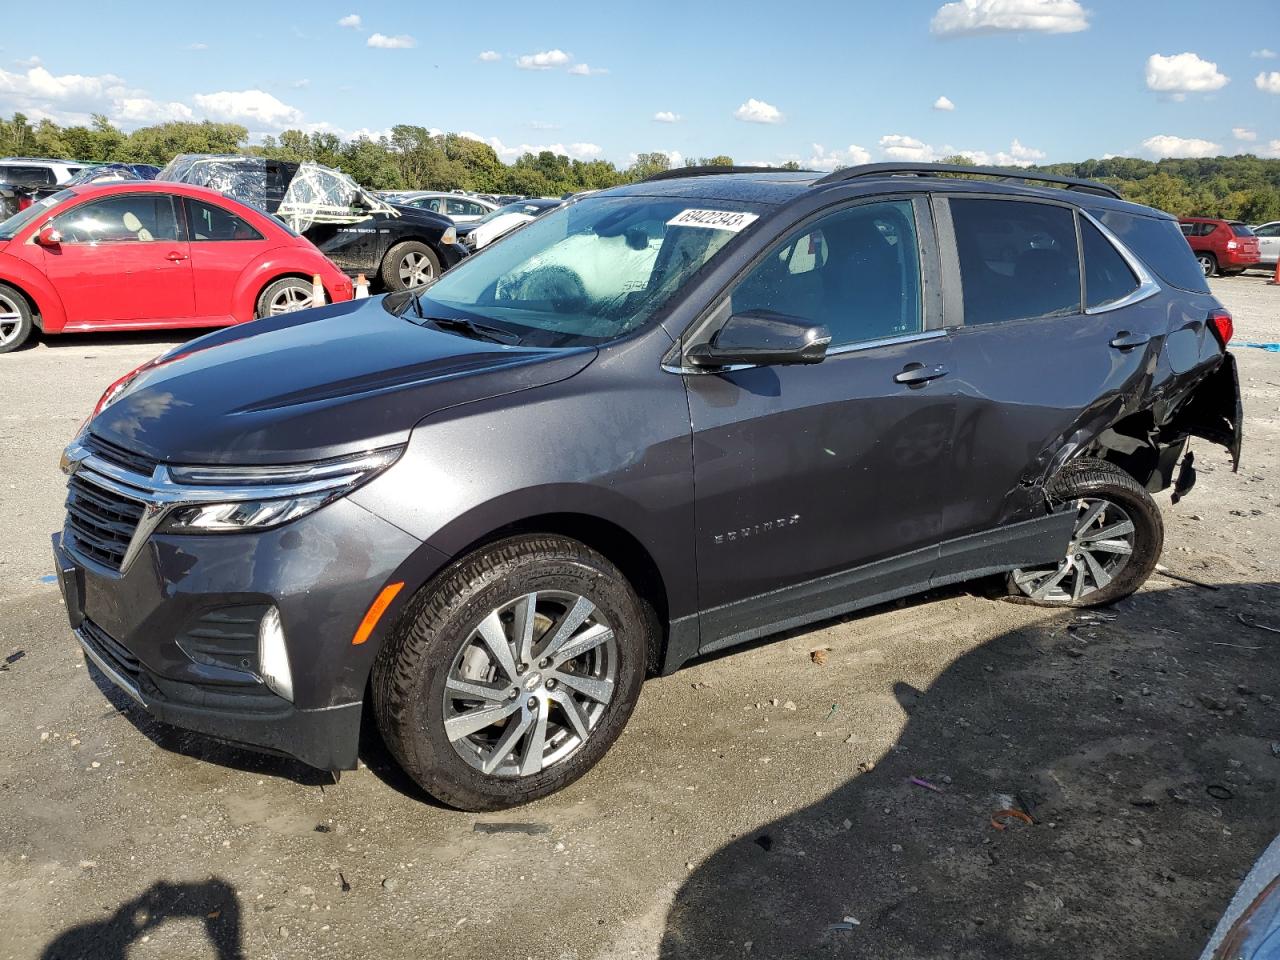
[(661, 421)]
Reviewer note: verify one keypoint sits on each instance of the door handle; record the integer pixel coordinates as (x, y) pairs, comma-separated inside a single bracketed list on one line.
[(176, 257), (1124, 340), (917, 374)]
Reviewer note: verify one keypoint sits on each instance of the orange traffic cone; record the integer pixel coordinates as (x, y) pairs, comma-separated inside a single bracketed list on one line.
[(362, 286), (1275, 281), (317, 291)]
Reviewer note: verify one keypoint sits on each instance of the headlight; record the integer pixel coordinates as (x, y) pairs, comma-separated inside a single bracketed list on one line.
[(221, 499)]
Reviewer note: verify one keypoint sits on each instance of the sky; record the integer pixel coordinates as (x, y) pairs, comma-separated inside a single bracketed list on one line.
[(824, 83)]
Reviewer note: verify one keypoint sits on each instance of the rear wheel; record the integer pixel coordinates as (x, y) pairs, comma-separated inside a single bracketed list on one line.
[(1114, 546), (15, 319), (510, 676), (286, 295), (409, 264), (1208, 263)]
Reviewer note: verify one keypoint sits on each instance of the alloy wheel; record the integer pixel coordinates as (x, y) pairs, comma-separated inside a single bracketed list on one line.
[(1206, 264), (290, 300), (10, 320), (1100, 546), (415, 269), (530, 684)]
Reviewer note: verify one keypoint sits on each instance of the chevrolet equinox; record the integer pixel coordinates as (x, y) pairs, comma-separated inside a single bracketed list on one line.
[(661, 421)]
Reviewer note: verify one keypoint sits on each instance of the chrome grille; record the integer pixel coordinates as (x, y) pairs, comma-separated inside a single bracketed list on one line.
[(100, 522)]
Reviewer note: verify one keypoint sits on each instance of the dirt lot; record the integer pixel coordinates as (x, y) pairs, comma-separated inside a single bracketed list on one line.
[(756, 799)]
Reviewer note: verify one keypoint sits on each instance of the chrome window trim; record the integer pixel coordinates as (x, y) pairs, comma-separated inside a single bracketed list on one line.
[(1147, 286)]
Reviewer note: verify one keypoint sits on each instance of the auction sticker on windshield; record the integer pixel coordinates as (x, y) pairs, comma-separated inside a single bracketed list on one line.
[(730, 220)]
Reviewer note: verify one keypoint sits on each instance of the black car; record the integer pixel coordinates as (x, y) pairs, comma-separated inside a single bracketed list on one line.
[(399, 246), (658, 422)]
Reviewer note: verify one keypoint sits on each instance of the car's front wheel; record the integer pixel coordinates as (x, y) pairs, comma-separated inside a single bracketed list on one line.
[(1115, 544), (511, 675), (15, 319)]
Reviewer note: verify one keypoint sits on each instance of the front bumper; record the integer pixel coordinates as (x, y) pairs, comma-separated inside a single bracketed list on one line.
[(177, 631)]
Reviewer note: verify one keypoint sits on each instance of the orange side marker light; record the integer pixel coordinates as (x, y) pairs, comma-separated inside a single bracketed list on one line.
[(376, 610)]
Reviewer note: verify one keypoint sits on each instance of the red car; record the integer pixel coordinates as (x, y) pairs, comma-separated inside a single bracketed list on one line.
[(1222, 247), (142, 255)]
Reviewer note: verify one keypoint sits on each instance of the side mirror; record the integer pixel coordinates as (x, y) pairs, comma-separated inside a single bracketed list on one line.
[(762, 337), (48, 237)]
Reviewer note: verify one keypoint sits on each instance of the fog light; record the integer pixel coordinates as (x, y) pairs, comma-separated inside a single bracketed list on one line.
[(273, 659)]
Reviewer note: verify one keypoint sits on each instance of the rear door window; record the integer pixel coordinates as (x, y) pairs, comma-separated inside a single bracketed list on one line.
[(1018, 259), (1107, 278)]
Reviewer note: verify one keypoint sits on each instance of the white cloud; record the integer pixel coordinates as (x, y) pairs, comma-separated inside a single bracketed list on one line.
[(543, 125), (197, 46), (666, 116), (32, 61), (897, 146), (757, 111), (381, 41), (248, 106), (575, 151), (1002, 16), (1264, 54), (1244, 133), (1272, 149), (824, 159), (351, 21), (586, 70), (543, 60), (144, 110), (1164, 146), (1268, 82), (489, 56), (943, 103), (300, 83), (1183, 73)]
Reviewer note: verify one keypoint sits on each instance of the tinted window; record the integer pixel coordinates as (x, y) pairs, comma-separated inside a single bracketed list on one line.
[(140, 217), (1187, 229), (1240, 230), (1107, 277), (27, 176), (1269, 230), (1159, 245), (464, 208), (1018, 260), (206, 221), (857, 272)]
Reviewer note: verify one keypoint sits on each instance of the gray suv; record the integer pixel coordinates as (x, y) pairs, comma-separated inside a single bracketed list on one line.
[(661, 421)]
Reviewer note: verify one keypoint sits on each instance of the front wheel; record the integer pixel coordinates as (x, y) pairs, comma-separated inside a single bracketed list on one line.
[(510, 676), (15, 319), (1114, 546), (409, 264)]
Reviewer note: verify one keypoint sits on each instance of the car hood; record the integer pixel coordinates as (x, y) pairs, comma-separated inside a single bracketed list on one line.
[(319, 383), (416, 215)]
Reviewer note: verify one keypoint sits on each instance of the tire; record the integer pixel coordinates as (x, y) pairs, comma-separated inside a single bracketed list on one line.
[(15, 319), (286, 295), (409, 264), (1096, 571), (1208, 264), (437, 655)]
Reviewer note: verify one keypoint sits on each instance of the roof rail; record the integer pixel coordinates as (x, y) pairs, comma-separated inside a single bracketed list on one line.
[(933, 169), (677, 172)]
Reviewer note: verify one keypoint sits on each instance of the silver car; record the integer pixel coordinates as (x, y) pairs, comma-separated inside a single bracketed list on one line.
[(1268, 235)]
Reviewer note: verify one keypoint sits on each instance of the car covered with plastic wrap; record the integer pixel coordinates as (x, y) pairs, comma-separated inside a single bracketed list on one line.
[(401, 246)]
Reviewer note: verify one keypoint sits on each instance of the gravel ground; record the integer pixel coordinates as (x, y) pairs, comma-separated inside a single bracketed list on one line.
[(724, 822)]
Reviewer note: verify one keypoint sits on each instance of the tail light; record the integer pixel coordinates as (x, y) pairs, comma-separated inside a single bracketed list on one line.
[(1222, 326), (24, 201)]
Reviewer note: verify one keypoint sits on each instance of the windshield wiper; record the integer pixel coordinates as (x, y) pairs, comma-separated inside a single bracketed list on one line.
[(472, 328)]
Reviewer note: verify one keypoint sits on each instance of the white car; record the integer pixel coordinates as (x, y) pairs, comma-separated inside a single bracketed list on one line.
[(34, 172), (502, 221), (457, 207), (1268, 235)]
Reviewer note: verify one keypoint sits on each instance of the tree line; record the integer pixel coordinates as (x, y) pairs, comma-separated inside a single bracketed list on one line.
[(413, 157)]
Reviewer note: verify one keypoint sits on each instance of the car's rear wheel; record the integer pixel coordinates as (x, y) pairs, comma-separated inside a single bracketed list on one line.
[(511, 675), (286, 295), (409, 264), (1208, 263), (1114, 545), (15, 319)]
